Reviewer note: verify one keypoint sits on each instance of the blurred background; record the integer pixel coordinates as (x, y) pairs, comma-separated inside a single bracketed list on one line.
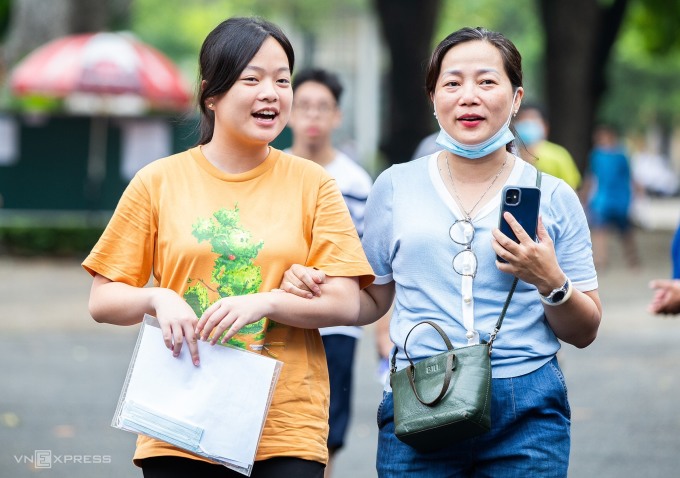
[(92, 90), (80, 116)]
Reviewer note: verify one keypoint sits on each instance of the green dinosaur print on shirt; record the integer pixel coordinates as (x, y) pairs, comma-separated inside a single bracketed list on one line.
[(233, 273)]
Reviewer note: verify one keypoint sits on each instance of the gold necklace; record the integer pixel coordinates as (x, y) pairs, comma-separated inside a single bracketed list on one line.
[(468, 214)]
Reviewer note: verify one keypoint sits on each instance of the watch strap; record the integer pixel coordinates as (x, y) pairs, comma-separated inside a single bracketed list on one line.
[(567, 288)]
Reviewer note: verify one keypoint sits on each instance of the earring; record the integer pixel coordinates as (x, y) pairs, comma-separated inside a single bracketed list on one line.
[(210, 105), (434, 113)]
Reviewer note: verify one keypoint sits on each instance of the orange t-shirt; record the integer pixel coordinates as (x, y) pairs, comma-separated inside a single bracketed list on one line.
[(207, 234)]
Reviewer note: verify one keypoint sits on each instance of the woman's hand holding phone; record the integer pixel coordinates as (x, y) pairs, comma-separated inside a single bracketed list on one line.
[(530, 261), (523, 203)]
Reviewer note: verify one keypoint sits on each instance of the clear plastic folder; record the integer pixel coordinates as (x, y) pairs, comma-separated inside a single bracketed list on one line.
[(216, 410)]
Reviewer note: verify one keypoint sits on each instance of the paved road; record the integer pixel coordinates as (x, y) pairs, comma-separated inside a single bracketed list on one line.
[(61, 374)]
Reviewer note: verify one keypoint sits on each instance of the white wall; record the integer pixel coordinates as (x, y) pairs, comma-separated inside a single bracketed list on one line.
[(350, 46)]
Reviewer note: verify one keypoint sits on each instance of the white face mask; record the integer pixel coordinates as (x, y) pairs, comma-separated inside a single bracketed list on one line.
[(473, 151)]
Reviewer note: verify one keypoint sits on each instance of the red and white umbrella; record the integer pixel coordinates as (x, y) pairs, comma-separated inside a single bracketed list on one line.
[(107, 73), (101, 74)]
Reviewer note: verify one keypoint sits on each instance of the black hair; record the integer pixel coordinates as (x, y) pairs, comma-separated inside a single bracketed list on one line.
[(538, 107), (512, 60), (225, 53), (318, 75)]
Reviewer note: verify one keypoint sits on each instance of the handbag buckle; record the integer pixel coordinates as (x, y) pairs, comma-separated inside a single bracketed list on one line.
[(492, 337)]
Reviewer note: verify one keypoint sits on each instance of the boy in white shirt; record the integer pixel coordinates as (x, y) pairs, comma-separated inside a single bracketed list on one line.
[(315, 115)]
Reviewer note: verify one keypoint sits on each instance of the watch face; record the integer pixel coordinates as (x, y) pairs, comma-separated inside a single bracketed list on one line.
[(558, 296)]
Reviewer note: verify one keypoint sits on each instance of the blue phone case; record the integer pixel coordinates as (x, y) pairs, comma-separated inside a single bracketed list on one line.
[(525, 210)]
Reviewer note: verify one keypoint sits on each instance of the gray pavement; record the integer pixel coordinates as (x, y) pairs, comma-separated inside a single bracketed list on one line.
[(61, 374)]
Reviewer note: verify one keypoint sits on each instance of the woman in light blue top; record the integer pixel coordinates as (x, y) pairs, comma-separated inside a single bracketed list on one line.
[(415, 222)]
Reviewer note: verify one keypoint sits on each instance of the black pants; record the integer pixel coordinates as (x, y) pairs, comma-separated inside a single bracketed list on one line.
[(178, 467)]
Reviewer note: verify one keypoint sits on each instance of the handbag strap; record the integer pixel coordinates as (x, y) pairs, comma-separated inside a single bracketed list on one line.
[(448, 343), (411, 373), (499, 322)]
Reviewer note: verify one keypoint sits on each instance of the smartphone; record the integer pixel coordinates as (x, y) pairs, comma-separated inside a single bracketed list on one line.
[(523, 203)]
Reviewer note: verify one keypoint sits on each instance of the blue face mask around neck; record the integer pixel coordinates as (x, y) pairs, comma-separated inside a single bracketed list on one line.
[(474, 151)]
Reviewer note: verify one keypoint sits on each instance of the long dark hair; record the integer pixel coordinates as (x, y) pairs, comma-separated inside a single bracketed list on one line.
[(225, 53)]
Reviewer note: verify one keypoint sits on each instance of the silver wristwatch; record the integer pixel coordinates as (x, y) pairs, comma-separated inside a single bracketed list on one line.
[(557, 296)]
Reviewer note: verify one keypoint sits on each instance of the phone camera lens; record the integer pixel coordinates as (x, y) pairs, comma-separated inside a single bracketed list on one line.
[(512, 197)]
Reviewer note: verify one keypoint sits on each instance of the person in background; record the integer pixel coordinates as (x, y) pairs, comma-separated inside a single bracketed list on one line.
[(432, 237), (532, 129), (610, 191), (315, 116), (215, 227), (666, 299), (654, 174), (427, 146)]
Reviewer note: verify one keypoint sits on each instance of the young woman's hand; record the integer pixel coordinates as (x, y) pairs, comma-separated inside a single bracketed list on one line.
[(303, 281), (178, 323), (230, 314), (530, 261), (118, 303)]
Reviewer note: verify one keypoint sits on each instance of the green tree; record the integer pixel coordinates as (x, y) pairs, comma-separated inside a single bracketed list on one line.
[(178, 27), (645, 68), (579, 38), (407, 27)]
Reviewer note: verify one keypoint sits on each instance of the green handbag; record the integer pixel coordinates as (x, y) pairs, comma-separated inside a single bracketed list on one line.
[(445, 398)]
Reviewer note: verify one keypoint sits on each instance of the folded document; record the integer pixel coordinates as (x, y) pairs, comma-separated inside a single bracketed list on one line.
[(216, 410)]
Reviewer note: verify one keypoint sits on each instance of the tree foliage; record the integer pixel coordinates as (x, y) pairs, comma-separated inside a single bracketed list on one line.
[(407, 27), (178, 27), (577, 50), (579, 56), (656, 23), (643, 91), (5, 6)]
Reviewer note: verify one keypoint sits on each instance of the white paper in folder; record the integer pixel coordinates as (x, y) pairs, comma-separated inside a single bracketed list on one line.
[(216, 410)]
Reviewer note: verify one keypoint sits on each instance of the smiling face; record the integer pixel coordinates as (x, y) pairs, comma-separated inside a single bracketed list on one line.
[(473, 95), (257, 107)]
